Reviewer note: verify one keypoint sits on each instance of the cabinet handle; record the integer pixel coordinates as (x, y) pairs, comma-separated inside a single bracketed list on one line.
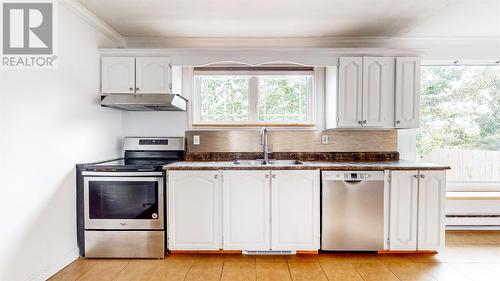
[(415, 176), (215, 176), (274, 176), (267, 176), (137, 89), (397, 121), (170, 86), (360, 122), (364, 121), (422, 176), (131, 89)]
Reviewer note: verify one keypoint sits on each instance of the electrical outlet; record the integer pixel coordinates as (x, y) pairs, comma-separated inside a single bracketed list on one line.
[(324, 139), (196, 140)]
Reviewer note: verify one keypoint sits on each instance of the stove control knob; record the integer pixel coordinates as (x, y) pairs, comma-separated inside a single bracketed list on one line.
[(154, 215)]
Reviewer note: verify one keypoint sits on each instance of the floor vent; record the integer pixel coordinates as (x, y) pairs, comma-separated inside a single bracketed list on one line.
[(246, 252)]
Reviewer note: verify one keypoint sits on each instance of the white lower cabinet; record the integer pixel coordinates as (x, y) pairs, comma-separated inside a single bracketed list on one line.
[(417, 211), (295, 210), (256, 210), (431, 210), (194, 210), (403, 210), (246, 216)]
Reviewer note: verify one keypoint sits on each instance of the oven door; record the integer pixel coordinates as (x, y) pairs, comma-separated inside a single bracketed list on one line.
[(124, 201)]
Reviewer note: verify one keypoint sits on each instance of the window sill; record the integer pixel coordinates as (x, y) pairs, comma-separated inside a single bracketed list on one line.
[(473, 186), (478, 195), (226, 125)]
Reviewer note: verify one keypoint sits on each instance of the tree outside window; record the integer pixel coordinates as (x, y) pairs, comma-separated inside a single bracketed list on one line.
[(460, 121), (257, 97)]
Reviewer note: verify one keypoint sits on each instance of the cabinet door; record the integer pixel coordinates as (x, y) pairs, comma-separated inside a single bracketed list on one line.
[(378, 91), (153, 75), (403, 210), (431, 210), (295, 210), (246, 213), (117, 75), (407, 110), (350, 92), (194, 210)]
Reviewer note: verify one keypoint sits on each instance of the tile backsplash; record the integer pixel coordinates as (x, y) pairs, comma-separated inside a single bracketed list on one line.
[(293, 141)]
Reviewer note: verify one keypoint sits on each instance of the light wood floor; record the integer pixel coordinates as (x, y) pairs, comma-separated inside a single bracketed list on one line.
[(469, 255)]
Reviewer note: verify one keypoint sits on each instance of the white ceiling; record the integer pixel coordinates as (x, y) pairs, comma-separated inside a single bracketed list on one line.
[(299, 18)]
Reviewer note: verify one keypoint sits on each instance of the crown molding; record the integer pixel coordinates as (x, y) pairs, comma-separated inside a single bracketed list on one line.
[(90, 18), (311, 42), (258, 42), (256, 56), (477, 48)]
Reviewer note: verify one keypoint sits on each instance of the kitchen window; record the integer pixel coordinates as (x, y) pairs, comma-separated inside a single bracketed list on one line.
[(243, 96), (460, 124)]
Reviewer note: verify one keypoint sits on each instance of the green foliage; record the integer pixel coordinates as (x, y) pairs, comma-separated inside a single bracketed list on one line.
[(460, 108), (282, 98), (279, 98), (224, 98)]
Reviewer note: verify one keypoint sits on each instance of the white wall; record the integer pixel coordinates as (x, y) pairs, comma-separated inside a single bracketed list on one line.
[(50, 120), (407, 144)]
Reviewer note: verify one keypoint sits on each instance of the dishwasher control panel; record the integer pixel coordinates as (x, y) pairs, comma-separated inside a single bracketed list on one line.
[(355, 175)]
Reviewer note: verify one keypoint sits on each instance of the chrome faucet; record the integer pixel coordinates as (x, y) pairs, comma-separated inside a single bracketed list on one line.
[(265, 144)]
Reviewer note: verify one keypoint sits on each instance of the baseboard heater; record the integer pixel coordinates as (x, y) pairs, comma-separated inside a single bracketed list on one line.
[(473, 221), (270, 252)]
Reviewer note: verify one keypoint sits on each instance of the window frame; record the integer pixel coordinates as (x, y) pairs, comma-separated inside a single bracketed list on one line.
[(459, 185), (253, 102)]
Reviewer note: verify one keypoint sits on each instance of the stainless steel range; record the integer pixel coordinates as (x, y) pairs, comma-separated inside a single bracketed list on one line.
[(120, 203)]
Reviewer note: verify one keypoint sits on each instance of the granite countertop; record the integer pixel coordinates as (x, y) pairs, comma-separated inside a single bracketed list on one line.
[(309, 165)]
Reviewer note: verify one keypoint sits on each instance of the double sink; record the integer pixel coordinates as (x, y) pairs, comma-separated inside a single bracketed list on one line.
[(269, 162)]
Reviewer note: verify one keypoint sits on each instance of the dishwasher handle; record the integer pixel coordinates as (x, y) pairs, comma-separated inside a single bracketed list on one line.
[(352, 181)]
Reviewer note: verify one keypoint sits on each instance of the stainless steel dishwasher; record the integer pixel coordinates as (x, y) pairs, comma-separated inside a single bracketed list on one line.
[(352, 211)]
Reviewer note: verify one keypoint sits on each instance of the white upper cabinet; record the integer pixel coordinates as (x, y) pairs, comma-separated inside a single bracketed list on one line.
[(295, 210), (431, 210), (350, 91), (378, 91), (130, 75), (365, 92), (153, 75), (403, 210), (118, 75), (407, 111), (194, 212), (373, 92), (246, 214)]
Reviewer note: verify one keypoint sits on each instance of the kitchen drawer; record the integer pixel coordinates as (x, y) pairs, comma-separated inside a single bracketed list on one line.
[(124, 244)]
